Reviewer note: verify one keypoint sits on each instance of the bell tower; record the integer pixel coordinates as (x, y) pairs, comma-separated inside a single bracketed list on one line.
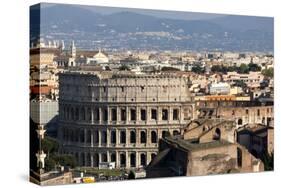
[(73, 49)]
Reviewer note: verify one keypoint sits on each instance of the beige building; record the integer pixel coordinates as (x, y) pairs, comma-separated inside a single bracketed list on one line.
[(119, 117)]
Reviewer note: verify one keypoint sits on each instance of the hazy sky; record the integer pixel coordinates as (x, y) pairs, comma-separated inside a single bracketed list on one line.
[(156, 13)]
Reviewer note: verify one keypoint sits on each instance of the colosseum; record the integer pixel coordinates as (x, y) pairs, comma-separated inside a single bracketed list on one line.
[(119, 117)]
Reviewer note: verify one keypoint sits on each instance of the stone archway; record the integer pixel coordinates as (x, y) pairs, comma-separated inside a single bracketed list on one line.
[(240, 122)]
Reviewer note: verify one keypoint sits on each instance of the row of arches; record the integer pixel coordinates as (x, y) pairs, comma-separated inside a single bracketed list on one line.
[(110, 114), (123, 159), (113, 136)]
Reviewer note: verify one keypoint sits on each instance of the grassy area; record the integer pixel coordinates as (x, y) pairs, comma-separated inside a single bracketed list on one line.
[(95, 171)]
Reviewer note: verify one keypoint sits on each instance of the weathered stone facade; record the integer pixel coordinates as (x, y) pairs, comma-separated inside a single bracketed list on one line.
[(243, 112), (206, 147), (116, 117)]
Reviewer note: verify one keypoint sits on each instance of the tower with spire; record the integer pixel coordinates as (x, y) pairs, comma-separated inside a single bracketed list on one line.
[(73, 50)]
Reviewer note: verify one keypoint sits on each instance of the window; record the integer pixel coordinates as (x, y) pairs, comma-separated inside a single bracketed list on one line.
[(143, 159), (88, 136), (143, 114), (239, 157), (105, 115), (123, 114), (165, 134), (96, 137), (154, 114), (89, 114), (113, 157), (82, 136), (175, 132), (175, 114), (132, 137), (113, 114), (97, 114), (133, 160), (104, 137), (240, 121), (76, 114), (133, 114), (143, 137), (113, 137), (258, 112), (83, 114), (247, 111), (164, 114), (104, 157), (153, 155), (217, 135), (96, 160), (122, 160), (153, 137), (123, 137)]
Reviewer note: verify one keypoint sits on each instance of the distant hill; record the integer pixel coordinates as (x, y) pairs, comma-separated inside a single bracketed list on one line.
[(132, 29)]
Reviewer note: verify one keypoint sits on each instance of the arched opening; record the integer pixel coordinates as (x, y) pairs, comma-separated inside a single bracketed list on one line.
[(96, 160), (89, 159), (240, 121), (122, 160), (76, 114), (113, 137), (82, 162), (72, 136), (89, 136), (72, 114), (104, 157), (143, 137), (82, 136), (113, 157), (97, 114), (175, 132), (103, 137), (96, 137), (153, 137), (153, 155), (132, 137), (165, 134), (123, 137), (217, 134), (89, 114), (239, 157), (143, 159), (83, 114), (133, 160), (77, 158), (105, 114), (77, 133), (113, 114)]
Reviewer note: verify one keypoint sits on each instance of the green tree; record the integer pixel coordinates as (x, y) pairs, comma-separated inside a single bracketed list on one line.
[(268, 160), (243, 69), (50, 164), (254, 67), (268, 72), (197, 69), (124, 68), (169, 69), (49, 145), (131, 175), (66, 160)]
